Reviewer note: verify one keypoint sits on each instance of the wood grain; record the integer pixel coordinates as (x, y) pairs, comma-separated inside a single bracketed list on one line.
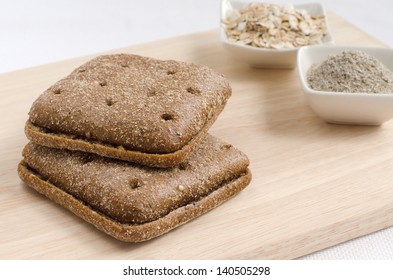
[(314, 184)]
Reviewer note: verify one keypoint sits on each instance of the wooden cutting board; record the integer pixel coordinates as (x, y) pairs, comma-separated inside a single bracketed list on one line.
[(314, 184)]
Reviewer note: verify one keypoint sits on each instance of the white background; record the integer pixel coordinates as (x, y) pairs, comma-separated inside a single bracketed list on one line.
[(114, 270), (44, 31)]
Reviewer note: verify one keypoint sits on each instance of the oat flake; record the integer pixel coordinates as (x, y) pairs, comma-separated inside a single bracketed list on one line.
[(275, 26)]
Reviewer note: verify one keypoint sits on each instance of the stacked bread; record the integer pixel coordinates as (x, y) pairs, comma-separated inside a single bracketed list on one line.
[(122, 142)]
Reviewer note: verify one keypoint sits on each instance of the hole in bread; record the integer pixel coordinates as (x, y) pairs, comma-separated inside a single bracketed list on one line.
[(125, 65), (170, 72), (152, 93), (57, 91), (81, 70), (109, 101), (226, 147), (135, 183), (184, 166), (103, 84), (193, 90), (167, 117)]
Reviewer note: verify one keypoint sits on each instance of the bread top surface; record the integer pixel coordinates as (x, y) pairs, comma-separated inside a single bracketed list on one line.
[(136, 194), (139, 103)]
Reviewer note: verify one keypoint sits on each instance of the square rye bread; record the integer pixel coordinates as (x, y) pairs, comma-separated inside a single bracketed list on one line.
[(135, 203), (144, 110)]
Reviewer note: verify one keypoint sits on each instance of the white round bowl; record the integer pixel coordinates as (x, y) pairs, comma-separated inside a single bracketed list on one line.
[(265, 57)]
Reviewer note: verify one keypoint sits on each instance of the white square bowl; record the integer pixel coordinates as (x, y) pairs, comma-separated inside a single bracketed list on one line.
[(340, 107), (265, 57)]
